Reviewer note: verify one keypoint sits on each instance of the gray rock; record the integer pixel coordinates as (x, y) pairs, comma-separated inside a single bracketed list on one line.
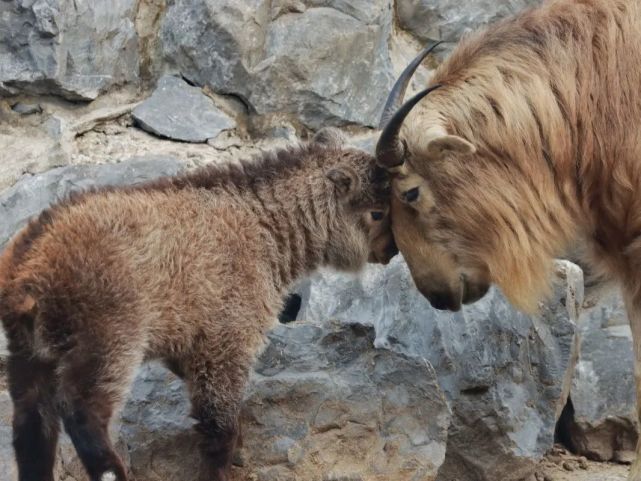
[(600, 422), (4, 352), (72, 49), (32, 194), (178, 111), (9, 471), (326, 61), (157, 430), (449, 20), (26, 109), (506, 375), (323, 403)]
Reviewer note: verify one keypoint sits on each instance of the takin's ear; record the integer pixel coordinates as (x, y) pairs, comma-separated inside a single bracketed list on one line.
[(330, 137), (344, 179), (449, 144)]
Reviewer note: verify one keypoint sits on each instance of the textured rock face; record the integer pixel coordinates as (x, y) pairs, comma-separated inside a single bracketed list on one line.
[(61, 47), (177, 110), (449, 20), (9, 471), (601, 422), (32, 194), (324, 404), (324, 61), (320, 61), (505, 374)]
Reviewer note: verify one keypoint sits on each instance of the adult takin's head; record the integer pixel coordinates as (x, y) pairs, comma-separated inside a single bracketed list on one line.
[(475, 199), (445, 272)]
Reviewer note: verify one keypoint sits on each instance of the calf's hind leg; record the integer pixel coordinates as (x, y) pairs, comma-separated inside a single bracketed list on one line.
[(35, 421), (93, 385)]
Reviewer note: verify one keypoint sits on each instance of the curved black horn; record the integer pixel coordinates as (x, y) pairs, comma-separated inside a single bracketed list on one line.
[(390, 152), (395, 98)]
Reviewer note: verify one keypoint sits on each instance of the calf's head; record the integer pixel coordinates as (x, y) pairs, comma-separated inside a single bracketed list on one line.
[(360, 230)]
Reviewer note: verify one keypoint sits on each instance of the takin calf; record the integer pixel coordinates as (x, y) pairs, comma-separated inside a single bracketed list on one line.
[(190, 270), (528, 144)]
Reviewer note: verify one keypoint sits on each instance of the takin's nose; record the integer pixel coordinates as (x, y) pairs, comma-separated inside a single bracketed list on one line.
[(390, 251), (474, 291), (444, 301)]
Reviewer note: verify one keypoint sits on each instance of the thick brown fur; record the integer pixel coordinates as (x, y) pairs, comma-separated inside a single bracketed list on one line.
[(546, 111), (191, 270)]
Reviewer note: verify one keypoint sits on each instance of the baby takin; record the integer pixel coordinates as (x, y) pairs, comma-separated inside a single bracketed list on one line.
[(191, 270)]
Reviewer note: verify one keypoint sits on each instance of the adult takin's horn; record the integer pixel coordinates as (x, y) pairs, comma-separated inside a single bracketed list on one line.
[(395, 98), (390, 151)]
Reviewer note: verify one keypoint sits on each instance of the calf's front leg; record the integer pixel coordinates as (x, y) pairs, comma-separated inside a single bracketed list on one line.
[(216, 388)]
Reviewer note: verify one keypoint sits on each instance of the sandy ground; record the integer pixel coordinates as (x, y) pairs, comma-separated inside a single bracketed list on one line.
[(559, 465)]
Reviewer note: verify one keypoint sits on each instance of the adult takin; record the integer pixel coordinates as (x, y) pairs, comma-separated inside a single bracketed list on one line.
[(528, 144), (190, 270)]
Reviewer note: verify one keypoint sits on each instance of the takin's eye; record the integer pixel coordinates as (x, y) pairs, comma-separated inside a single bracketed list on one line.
[(377, 215), (410, 195)]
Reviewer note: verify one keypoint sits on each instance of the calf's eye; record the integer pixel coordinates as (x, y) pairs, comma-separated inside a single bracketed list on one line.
[(377, 215)]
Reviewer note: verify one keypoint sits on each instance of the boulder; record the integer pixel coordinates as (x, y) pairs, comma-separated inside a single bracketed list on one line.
[(449, 20), (32, 194), (506, 375), (26, 109), (9, 471), (600, 421), (178, 111), (3, 348), (72, 49), (326, 62), (323, 404)]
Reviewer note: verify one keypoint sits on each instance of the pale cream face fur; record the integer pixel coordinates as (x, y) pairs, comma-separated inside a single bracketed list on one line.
[(440, 273)]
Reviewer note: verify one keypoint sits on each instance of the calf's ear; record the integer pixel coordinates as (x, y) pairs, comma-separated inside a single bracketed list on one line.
[(330, 136), (345, 180)]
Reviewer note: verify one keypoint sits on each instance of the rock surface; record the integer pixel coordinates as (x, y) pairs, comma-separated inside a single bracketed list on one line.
[(72, 49), (319, 61), (9, 471), (324, 404), (327, 62), (32, 194), (178, 111), (601, 422), (506, 375), (26, 109), (449, 20)]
